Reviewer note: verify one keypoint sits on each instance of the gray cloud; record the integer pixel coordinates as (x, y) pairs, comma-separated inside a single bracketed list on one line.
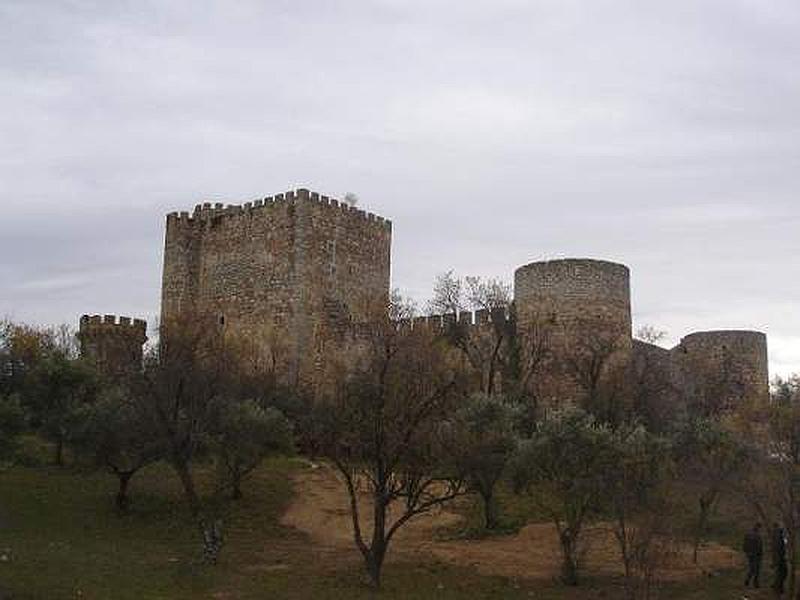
[(663, 135)]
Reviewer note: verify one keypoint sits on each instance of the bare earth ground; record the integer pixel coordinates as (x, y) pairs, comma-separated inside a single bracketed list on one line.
[(320, 509)]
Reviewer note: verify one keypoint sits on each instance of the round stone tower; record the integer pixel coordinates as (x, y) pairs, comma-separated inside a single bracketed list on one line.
[(725, 368), (583, 307)]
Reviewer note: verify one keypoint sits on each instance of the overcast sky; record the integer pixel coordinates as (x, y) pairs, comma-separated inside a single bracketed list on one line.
[(664, 135)]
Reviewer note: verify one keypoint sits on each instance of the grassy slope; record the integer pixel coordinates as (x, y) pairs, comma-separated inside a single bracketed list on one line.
[(67, 542)]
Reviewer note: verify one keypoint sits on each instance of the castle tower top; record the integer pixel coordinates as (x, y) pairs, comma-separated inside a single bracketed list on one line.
[(111, 325), (208, 211), (113, 344)]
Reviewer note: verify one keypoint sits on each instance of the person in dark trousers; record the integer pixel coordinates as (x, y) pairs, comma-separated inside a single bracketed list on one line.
[(777, 545), (753, 548)]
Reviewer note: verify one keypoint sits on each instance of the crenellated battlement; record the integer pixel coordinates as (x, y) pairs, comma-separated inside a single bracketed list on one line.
[(303, 267), (478, 318), (113, 344), (111, 324), (208, 212)]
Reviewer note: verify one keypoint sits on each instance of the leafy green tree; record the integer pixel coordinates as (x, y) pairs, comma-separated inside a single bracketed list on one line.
[(41, 366), (771, 479), (12, 422), (196, 368), (57, 390), (21, 347), (786, 391), (487, 429), (119, 436), (636, 494), (242, 434), (709, 457), (562, 468)]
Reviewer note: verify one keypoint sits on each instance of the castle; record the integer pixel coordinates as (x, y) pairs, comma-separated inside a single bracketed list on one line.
[(294, 271)]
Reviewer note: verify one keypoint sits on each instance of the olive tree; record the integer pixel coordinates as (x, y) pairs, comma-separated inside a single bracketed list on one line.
[(41, 367), (242, 434), (487, 426), (709, 457), (771, 480), (635, 487), (118, 435), (562, 467), (12, 422)]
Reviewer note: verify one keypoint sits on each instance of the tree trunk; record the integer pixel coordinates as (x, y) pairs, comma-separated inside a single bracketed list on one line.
[(489, 510), (212, 540), (569, 568), (374, 563), (236, 484), (122, 493), (59, 457), (705, 505), (377, 550), (189, 491), (792, 563)]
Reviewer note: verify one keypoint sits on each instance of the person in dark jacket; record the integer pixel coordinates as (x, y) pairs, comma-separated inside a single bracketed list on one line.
[(753, 547), (777, 545)]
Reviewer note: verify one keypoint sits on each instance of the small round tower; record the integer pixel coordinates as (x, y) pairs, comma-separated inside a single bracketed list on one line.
[(584, 307), (725, 368), (115, 346)]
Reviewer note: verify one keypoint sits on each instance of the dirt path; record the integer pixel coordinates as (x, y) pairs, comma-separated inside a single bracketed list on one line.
[(320, 509)]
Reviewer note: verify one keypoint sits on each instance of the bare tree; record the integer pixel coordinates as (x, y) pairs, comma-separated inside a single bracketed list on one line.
[(593, 365), (182, 377), (195, 368), (505, 354), (650, 334), (386, 430), (657, 398), (482, 346), (528, 349), (786, 391)]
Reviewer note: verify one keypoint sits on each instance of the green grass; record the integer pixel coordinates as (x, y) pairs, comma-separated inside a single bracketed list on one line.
[(67, 542), (514, 512)]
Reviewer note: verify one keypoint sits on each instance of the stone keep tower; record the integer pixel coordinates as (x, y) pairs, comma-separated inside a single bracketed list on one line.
[(291, 271), (115, 346), (585, 305)]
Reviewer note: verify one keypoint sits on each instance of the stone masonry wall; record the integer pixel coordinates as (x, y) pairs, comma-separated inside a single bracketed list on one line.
[(586, 306), (724, 368), (291, 270), (298, 270), (115, 346)]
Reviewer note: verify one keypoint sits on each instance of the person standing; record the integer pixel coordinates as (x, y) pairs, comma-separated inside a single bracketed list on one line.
[(779, 565), (753, 547)]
